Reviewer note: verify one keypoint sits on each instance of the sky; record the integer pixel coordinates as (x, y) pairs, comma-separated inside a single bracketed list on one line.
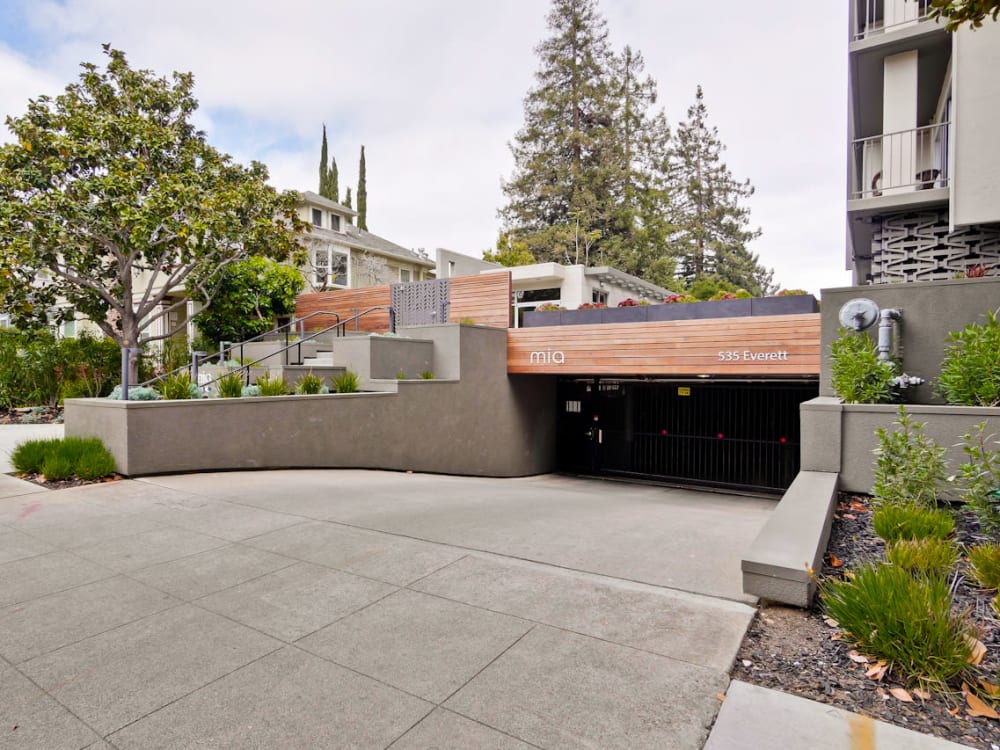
[(434, 91)]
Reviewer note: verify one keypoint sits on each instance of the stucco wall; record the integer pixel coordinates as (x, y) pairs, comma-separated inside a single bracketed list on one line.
[(483, 423), (931, 309)]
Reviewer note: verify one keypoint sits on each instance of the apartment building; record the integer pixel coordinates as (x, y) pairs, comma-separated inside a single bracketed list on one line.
[(923, 168)]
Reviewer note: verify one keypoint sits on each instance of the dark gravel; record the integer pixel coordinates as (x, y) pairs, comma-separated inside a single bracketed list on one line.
[(32, 415), (798, 652)]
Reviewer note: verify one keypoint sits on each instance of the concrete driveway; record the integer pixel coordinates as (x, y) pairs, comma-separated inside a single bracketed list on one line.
[(363, 609)]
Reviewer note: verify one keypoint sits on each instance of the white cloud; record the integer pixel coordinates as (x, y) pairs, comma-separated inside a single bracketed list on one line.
[(434, 91)]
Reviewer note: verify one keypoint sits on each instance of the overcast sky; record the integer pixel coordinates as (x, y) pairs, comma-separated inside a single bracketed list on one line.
[(434, 90)]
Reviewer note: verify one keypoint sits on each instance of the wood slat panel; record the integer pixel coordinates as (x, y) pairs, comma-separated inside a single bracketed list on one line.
[(789, 346), (346, 303), (484, 299)]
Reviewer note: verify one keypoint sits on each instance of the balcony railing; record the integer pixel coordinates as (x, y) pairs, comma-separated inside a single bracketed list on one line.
[(880, 16), (901, 162)]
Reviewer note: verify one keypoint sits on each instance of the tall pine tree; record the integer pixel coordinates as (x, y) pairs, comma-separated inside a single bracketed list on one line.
[(362, 193), (711, 227)]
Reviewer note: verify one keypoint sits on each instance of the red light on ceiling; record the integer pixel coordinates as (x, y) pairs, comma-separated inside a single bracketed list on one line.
[(783, 440), (663, 432), (720, 436)]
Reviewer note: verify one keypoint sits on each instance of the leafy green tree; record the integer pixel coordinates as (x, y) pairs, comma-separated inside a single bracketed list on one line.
[(362, 193), (510, 252), (113, 203), (711, 227), (957, 12), (252, 294)]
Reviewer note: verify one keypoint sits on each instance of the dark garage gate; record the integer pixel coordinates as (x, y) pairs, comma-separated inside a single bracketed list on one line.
[(739, 435)]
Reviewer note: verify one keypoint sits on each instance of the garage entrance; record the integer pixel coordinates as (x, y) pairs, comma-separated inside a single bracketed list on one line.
[(739, 435)]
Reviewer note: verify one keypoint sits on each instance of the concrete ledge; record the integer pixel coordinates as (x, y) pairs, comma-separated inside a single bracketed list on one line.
[(756, 717), (777, 566)]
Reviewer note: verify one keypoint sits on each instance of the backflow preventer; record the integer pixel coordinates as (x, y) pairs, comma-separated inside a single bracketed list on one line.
[(861, 313)]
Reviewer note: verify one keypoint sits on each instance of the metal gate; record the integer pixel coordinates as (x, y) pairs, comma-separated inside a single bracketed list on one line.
[(728, 435)]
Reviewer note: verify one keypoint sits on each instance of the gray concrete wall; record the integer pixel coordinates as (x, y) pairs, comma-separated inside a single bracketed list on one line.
[(479, 423), (383, 357), (931, 309), (841, 437)]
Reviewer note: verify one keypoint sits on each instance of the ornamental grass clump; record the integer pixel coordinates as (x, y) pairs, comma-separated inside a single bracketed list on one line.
[(231, 385), (176, 387), (909, 466), (895, 523), (346, 382), (309, 384), (856, 373), (979, 478), (929, 555), (63, 458), (905, 619), (984, 565), (272, 386)]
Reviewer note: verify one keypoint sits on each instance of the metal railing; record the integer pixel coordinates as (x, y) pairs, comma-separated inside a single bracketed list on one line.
[(879, 16), (901, 162)]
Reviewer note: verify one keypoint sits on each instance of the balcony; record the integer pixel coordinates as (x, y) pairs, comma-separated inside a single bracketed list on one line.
[(873, 17), (901, 162)]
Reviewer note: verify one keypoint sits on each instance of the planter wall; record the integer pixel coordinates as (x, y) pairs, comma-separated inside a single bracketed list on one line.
[(931, 309), (730, 308), (382, 357), (429, 426), (838, 437)]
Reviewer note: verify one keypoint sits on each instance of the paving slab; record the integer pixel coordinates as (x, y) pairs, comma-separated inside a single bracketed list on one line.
[(114, 678), (31, 720), (66, 523), (446, 730), (288, 699), (208, 572), (15, 545), (752, 716), (222, 519), (386, 557), (422, 644), (14, 487), (297, 600), (557, 689), (32, 577), (42, 625), (141, 550), (698, 629)]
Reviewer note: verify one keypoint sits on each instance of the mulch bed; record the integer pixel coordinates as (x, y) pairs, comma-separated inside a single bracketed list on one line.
[(798, 652), (62, 484), (32, 415)]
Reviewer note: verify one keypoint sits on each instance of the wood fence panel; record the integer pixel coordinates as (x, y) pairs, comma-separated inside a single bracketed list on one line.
[(346, 303), (484, 298), (780, 345)]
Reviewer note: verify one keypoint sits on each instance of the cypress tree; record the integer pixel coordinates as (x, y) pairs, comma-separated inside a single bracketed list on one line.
[(333, 181), (323, 174), (362, 194), (347, 202), (711, 226)]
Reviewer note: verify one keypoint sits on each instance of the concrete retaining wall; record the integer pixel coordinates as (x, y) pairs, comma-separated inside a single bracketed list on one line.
[(480, 422), (841, 438), (931, 309)]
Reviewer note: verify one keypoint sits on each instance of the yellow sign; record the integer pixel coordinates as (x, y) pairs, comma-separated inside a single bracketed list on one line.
[(683, 391)]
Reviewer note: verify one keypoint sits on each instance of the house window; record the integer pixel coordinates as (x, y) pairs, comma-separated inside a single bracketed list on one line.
[(600, 297), (329, 267), (317, 217), (5, 321), (335, 222), (404, 275)]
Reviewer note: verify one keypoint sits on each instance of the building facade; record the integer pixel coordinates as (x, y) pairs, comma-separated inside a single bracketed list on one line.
[(923, 158)]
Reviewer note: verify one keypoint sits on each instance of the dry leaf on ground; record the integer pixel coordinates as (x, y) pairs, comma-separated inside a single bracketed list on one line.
[(978, 651), (923, 695), (856, 657), (835, 562), (976, 705), (877, 671), (991, 690), (901, 694)]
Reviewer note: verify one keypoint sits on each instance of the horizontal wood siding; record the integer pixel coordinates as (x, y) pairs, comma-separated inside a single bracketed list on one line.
[(484, 299), (780, 345), (346, 303)]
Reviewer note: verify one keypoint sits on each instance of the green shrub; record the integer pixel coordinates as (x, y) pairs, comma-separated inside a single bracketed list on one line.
[(177, 386), (894, 523), (428, 375), (94, 462), (272, 386), (231, 385), (470, 321), (346, 382), (979, 479), (928, 555), (857, 374), (175, 353), (309, 384), (970, 372), (56, 467), (909, 466), (27, 458), (984, 565), (905, 619), (400, 375)]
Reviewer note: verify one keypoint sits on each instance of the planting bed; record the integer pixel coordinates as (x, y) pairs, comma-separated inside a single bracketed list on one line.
[(799, 652), (32, 415)]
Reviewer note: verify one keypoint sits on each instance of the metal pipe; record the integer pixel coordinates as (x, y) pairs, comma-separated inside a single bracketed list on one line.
[(886, 318)]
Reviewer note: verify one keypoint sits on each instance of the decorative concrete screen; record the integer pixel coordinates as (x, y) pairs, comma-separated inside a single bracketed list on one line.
[(774, 346), (422, 303)]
